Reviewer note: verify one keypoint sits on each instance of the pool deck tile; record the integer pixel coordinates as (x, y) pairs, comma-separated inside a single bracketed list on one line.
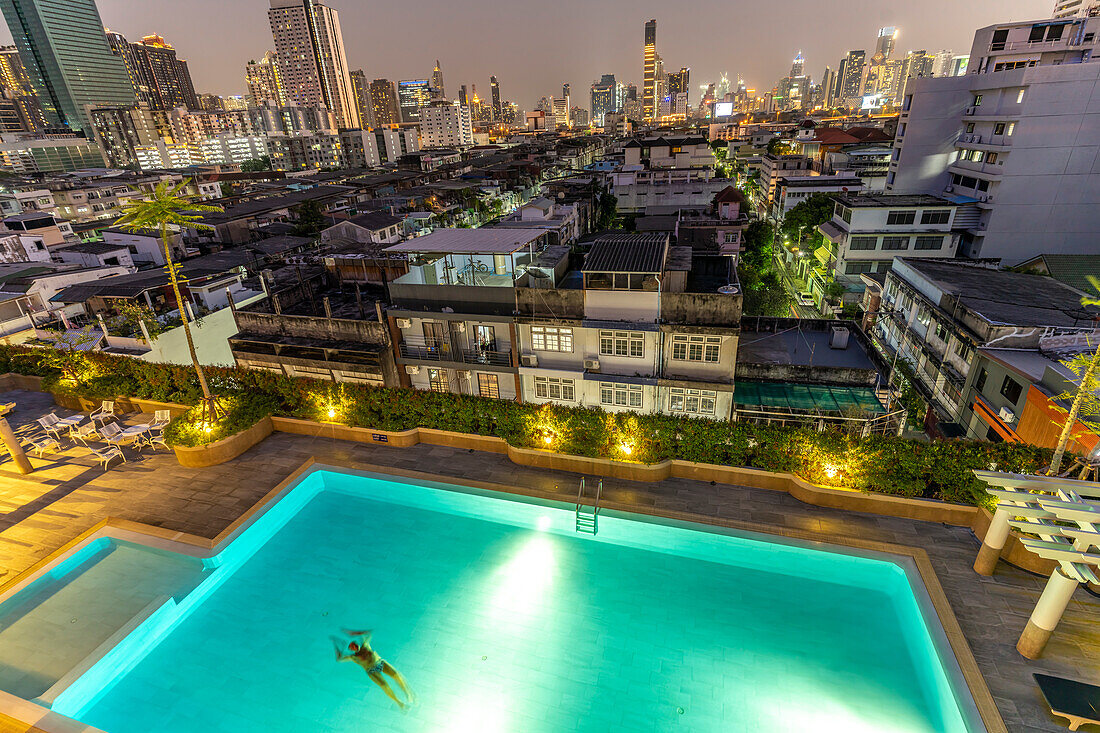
[(68, 493)]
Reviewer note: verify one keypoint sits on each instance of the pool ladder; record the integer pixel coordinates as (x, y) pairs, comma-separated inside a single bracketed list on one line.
[(588, 516)]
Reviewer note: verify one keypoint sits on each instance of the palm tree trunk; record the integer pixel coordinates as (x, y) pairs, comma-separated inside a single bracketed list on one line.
[(207, 398), (1071, 419)]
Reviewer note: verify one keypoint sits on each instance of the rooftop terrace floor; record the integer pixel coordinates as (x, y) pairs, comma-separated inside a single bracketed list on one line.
[(69, 493)]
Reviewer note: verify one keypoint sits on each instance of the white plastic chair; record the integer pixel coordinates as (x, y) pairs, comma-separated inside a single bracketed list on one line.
[(108, 454), (154, 438), (84, 432), (160, 419), (51, 425), (43, 444), (105, 412)]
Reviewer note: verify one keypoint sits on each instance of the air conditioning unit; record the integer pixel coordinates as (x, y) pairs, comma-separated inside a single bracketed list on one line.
[(948, 189), (982, 197), (840, 338), (529, 360), (592, 365), (459, 327), (1007, 415), (404, 323), (412, 369)]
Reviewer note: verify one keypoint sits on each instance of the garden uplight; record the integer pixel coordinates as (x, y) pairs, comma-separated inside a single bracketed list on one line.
[(331, 413), (626, 448), (830, 471)]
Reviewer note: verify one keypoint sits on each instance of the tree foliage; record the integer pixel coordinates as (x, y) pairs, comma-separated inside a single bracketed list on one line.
[(779, 146), (606, 210), (255, 165), (808, 215), (762, 288), (311, 220)]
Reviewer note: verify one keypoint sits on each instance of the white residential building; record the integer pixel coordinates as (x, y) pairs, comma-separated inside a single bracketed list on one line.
[(790, 191), (1076, 8), (639, 190), (1018, 135), (669, 152), (145, 248), (445, 125), (867, 232)]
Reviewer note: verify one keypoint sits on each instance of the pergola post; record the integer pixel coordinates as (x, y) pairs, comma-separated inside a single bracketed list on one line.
[(1048, 612), (18, 456), (995, 538)]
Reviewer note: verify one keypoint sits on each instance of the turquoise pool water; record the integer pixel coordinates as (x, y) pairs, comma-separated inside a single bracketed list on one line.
[(502, 618)]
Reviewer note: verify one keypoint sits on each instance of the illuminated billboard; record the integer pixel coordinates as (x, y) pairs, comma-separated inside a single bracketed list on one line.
[(723, 109)]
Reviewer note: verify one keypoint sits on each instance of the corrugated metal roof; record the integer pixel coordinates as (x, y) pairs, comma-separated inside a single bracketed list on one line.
[(627, 252)]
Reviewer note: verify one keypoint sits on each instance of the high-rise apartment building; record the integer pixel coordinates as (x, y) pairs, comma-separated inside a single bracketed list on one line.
[(312, 64), (264, 83), (163, 78), (649, 71), (943, 63), (361, 87), (446, 125), (995, 137), (603, 97), (851, 78), (67, 58), (494, 88), (438, 92), (463, 97), (383, 101), (1076, 9), (412, 94), (679, 82)]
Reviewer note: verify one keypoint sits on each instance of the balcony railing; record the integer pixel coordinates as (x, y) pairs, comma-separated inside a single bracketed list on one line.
[(444, 352)]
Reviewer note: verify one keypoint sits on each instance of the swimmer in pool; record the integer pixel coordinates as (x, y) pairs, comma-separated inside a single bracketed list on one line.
[(358, 650)]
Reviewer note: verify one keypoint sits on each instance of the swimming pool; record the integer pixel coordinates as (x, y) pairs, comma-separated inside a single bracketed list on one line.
[(503, 618)]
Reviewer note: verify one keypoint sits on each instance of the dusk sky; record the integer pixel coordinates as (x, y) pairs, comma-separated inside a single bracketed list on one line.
[(535, 46)]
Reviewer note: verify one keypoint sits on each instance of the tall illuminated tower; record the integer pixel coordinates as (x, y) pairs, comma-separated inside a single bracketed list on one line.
[(649, 69), (312, 64)]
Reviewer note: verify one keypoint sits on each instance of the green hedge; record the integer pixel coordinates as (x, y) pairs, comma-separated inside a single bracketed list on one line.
[(890, 465)]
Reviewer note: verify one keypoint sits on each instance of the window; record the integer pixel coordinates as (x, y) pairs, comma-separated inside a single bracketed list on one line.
[(942, 333), (1000, 37), (731, 237), (900, 218), (858, 268), (1037, 33), (979, 383), (999, 128), (962, 351), (621, 395), (1020, 96), (548, 338), (863, 243), (552, 388), (487, 385), (1011, 389), (895, 243), (846, 214), (437, 380), (935, 216), (696, 348), (927, 243), (692, 401), (977, 100), (991, 158), (622, 343), (969, 127), (1010, 129)]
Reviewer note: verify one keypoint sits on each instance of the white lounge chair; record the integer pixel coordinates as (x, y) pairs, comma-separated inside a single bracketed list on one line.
[(108, 454), (155, 437), (160, 419), (43, 444), (51, 425), (105, 412), (83, 433)]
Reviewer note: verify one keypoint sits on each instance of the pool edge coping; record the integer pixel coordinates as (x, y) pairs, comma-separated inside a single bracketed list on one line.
[(194, 545)]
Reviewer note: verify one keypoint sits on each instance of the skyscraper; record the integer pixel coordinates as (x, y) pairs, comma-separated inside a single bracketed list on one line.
[(264, 83), (886, 38), (412, 94), (383, 100), (311, 60), (679, 82), (463, 98), (851, 78), (494, 87), (67, 57), (361, 87), (603, 97), (649, 71), (165, 78), (13, 74), (437, 82)]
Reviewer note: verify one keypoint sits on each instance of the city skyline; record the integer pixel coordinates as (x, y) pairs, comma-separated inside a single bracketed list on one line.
[(614, 39)]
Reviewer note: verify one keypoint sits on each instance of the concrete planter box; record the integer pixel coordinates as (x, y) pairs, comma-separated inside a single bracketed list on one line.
[(225, 449), (123, 405)]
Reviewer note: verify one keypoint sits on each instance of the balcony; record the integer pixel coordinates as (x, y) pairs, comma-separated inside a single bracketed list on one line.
[(441, 351)]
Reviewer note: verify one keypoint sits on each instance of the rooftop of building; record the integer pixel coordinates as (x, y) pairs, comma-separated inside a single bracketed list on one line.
[(891, 200), (471, 241), (93, 248), (629, 252), (820, 181), (1073, 270), (375, 220), (1004, 298), (801, 347)]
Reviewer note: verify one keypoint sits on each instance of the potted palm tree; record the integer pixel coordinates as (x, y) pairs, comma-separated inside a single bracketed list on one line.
[(169, 209)]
